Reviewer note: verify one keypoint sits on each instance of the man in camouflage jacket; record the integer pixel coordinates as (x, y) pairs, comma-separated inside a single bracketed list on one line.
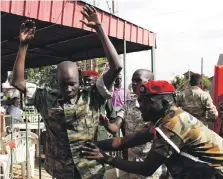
[(180, 141), (197, 102), (70, 116), (129, 119)]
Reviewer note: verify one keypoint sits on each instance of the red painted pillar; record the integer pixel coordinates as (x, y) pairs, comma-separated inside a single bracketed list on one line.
[(218, 91)]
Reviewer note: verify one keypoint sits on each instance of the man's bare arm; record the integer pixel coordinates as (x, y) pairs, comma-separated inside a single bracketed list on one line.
[(27, 31), (129, 141), (146, 168), (18, 70), (113, 59), (113, 128)]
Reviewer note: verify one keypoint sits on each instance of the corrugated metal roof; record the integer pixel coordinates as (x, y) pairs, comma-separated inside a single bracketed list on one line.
[(67, 13), (60, 36)]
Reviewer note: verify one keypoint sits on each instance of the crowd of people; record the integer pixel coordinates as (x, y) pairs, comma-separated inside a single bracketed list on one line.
[(164, 135)]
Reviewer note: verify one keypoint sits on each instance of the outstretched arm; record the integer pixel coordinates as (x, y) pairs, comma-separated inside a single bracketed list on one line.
[(146, 168), (129, 141), (113, 59), (27, 32)]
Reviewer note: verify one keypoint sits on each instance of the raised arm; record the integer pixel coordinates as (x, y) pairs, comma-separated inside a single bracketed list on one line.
[(113, 59), (27, 32)]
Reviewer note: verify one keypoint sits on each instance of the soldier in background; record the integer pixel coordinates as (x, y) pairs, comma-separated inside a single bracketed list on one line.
[(133, 122), (220, 111), (197, 102), (70, 118), (90, 78)]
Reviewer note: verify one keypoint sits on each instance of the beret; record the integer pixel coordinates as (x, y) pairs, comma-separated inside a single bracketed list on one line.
[(90, 73), (155, 87)]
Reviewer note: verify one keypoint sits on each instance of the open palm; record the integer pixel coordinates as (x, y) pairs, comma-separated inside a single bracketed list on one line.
[(91, 15), (27, 32), (92, 152)]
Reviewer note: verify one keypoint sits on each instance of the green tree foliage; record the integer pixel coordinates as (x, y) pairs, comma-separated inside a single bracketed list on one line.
[(207, 82), (101, 65), (178, 82), (46, 76), (43, 76)]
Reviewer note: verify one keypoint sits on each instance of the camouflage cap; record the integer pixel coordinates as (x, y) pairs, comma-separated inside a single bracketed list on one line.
[(155, 87)]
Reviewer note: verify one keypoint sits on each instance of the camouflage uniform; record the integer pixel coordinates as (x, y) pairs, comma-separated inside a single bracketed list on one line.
[(192, 151), (68, 127), (220, 110), (198, 103), (134, 122)]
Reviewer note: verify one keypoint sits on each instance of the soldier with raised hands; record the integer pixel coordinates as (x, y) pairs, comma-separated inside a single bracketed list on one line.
[(70, 119)]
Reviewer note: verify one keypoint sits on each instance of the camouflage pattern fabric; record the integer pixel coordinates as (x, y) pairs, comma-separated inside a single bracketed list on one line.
[(134, 122), (220, 111), (191, 149), (198, 103), (68, 127)]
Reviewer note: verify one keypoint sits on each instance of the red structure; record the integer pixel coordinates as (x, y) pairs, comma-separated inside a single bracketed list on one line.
[(218, 92), (60, 35)]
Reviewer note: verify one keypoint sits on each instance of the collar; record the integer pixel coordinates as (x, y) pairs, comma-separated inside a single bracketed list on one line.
[(194, 87), (118, 88), (168, 114), (73, 101), (137, 103)]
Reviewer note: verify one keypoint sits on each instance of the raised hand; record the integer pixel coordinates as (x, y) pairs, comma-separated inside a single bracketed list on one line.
[(91, 16), (27, 32)]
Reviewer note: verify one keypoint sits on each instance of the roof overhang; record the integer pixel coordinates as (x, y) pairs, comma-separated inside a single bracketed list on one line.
[(61, 36)]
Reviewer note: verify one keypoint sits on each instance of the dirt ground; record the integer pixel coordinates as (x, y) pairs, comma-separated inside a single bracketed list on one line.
[(111, 174)]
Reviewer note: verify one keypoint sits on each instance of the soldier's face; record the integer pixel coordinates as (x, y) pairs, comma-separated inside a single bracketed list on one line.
[(139, 78), (68, 82), (151, 109), (89, 81)]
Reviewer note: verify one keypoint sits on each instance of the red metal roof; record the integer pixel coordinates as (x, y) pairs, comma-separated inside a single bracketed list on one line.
[(54, 20)]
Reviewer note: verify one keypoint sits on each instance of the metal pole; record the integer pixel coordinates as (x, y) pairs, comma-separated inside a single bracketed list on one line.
[(12, 131), (39, 135), (124, 65), (113, 7), (189, 75), (202, 63), (27, 152), (153, 61), (21, 101)]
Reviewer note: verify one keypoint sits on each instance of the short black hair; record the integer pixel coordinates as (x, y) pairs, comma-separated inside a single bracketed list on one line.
[(195, 79), (148, 74)]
